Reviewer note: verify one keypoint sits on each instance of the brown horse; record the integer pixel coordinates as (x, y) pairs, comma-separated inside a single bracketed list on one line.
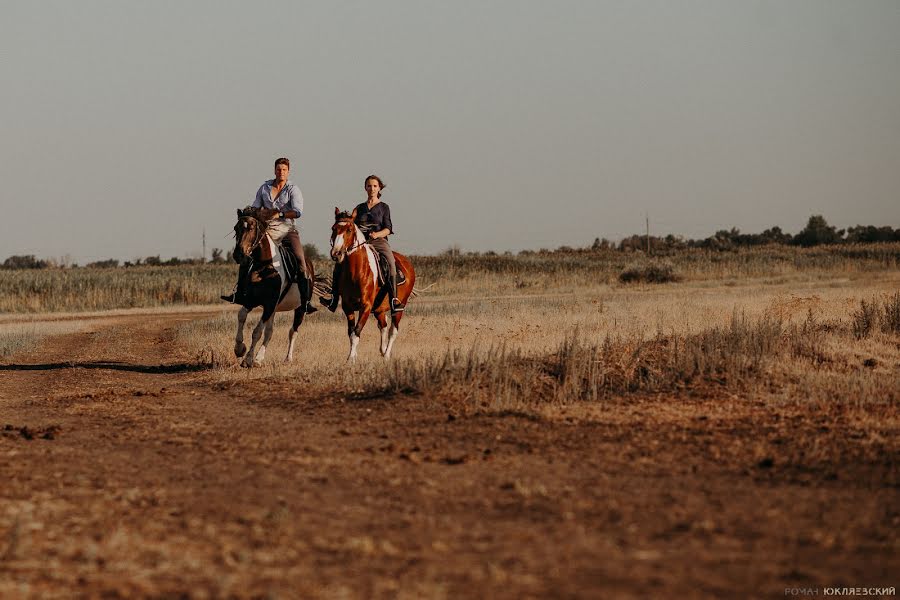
[(359, 285), (268, 286)]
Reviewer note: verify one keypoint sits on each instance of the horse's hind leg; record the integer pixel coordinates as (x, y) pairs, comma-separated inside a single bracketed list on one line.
[(383, 327), (392, 334), (298, 320), (239, 348)]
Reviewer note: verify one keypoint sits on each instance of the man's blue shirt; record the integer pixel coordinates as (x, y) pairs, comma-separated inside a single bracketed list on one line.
[(290, 198)]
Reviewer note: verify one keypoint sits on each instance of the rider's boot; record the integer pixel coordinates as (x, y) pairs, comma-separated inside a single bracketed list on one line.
[(239, 294), (332, 303), (391, 284), (306, 290)]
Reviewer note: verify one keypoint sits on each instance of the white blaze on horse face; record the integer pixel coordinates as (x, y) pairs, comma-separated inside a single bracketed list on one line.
[(337, 244)]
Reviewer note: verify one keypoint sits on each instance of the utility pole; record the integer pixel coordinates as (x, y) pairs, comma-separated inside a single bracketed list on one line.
[(647, 217), (203, 260)]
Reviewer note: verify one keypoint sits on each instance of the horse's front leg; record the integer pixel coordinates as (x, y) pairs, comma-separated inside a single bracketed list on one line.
[(355, 332), (239, 348), (266, 321), (351, 333), (298, 320)]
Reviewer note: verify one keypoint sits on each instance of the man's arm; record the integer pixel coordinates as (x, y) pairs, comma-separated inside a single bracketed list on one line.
[(293, 208)]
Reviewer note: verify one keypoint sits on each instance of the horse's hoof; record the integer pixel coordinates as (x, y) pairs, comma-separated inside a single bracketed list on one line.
[(248, 364), (240, 351)]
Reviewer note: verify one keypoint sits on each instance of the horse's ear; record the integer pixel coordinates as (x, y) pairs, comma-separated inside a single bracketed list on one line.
[(353, 214), (337, 211), (239, 213)]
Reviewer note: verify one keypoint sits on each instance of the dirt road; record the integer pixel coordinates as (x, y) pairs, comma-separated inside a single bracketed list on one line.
[(127, 471)]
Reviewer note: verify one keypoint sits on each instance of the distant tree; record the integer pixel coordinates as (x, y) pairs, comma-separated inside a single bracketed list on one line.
[(152, 261), (109, 263), (217, 256), (774, 235), (25, 261), (817, 231), (311, 252), (602, 244), (870, 233)]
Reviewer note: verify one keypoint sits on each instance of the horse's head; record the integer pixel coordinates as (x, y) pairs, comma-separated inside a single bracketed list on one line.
[(343, 234), (248, 233)]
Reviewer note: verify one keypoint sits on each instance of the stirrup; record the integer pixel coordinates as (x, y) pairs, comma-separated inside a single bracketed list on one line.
[(331, 303), (396, 306), (310, 308)]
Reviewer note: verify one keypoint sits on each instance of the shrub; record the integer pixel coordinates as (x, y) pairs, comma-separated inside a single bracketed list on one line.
[(865, 318), (652, 273), (890, 322)]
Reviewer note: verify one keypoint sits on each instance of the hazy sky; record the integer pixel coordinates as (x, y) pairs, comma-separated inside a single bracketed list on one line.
[(129, 127)]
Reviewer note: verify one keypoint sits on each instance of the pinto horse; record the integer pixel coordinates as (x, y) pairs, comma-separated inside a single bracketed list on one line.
[(268, 285), (359, 285)]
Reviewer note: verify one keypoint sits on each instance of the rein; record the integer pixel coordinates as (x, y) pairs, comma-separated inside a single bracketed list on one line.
[(260, 235)]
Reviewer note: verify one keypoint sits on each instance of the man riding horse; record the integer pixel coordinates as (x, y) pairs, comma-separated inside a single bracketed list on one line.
[(280, 202)]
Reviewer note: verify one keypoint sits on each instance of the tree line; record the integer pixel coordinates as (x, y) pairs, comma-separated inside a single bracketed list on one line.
[(29, 261), (817, 232)]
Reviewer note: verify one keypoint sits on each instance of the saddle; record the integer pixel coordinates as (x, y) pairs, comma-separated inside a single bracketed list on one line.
[(291, 264), (385, 270)]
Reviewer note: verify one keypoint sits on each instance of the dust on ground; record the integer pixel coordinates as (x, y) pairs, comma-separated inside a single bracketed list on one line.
[(129, 471)]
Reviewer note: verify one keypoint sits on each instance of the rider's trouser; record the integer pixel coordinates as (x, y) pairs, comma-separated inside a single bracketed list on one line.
[(383, 248), (290, 238)]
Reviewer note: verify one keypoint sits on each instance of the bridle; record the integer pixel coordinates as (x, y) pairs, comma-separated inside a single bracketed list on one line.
[(356, 243), (258, 236)]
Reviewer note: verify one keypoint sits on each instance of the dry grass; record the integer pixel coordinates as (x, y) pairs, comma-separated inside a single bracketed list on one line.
[(786, 340), (471, 275), (25, 335)]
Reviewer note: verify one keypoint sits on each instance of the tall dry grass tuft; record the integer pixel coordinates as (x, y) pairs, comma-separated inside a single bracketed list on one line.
[(733, 355), (874, 314), (865, 318), (18, 340), (891, 320)]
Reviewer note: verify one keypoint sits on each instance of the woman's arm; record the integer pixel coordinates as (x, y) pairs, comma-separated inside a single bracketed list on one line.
[(387, 228)]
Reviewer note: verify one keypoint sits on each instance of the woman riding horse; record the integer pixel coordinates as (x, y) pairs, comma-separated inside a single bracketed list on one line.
[(358, 282), (373, 217)]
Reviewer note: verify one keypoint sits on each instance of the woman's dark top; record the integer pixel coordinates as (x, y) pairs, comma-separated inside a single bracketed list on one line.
[(374, 219)]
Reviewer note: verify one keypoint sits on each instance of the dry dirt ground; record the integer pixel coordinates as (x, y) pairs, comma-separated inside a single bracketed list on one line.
[(127, 471)]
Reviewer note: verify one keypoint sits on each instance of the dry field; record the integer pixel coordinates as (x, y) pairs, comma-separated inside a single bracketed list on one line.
[(536, 435)]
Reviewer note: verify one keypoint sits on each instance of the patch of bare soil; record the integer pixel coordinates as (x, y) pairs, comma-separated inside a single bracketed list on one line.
[(128, 473)]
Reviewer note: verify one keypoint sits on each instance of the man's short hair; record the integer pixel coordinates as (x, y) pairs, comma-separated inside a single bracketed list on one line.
[(283, 161)]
